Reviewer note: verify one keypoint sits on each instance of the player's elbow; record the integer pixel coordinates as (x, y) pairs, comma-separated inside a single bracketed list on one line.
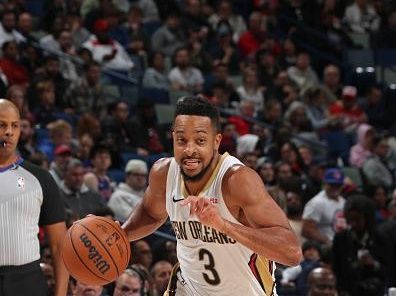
[(294, 254)]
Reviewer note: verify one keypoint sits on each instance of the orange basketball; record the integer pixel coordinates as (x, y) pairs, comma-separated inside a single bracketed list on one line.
[(95, 250)]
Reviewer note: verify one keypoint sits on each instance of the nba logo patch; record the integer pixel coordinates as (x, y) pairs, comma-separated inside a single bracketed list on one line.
[(21, 182)]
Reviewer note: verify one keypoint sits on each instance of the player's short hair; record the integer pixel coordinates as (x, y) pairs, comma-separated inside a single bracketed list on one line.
[(199, 106)]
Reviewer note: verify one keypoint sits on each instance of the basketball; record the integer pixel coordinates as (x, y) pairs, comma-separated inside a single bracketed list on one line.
[(95, 250)]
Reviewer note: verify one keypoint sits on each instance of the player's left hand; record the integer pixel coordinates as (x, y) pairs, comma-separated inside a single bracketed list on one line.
[(206, 212)]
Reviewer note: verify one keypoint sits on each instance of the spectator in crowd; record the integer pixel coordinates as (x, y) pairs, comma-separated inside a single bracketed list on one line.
[(16, 94), (148, 133), (249, 159), (154, 75), (323, 214), (321, 281), (294, 211), (225, 13), (387, 232), (10, 65), (60, 132), (76, 195), (288, 56), (90, 125), (8, 30), (85, 145), (107, 51), (183, 76), (129, 194), (25, 27), (194, 19), (26, 144), (265, 169), (62, 156), (50, 71), (361, 17), (332, 83), (297, 276), (251, 90), (142, 254), (169, 37), (386, 36), (223, 50), (49, 274), (78, 288), (255, 37), (98, 179), (374, 107), (316, 108), (138, 39), (118, 130), (199, 57), (363, 148), (161, 273), (379, 196), (375, 168), (357, 263), (347, 111), (85, 95), (128, 283), (302, 73)]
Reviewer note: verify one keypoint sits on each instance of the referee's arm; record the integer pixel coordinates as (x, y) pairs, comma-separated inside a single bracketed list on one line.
[(56, 232), (52, 218)]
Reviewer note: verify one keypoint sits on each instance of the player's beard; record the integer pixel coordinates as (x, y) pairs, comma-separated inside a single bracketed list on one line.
[(197, 177)]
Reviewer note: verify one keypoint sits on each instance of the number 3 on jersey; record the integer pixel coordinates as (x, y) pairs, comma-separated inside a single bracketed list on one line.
[(211, 277)]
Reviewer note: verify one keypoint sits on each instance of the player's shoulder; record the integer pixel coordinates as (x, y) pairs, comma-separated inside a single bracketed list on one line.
[(160, 168), (239, 173)]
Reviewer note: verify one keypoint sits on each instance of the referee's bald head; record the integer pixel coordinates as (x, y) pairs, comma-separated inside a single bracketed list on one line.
[(6, 105)]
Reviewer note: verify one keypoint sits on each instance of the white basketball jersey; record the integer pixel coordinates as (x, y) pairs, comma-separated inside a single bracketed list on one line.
[(212, 263)]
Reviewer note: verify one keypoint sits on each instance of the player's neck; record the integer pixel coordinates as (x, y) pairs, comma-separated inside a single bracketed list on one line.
[(195, 187), (8, 160)]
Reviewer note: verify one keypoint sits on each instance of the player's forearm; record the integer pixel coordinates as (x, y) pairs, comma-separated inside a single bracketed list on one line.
[(275, 243), (141, 224)]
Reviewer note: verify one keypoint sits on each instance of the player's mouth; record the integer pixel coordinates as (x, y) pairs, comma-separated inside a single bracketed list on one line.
[(191, 164)]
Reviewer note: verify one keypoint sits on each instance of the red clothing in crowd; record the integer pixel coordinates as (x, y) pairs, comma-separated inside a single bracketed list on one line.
[(355, 113), (15, 72)]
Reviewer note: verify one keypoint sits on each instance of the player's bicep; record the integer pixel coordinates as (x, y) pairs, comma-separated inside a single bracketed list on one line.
[(154, 200), (259, 208)]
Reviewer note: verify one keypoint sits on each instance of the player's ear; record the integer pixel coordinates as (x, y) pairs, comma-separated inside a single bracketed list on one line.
[(218, 138)]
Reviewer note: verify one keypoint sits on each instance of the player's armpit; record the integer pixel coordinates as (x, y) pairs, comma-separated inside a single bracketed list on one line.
[(151, 212)]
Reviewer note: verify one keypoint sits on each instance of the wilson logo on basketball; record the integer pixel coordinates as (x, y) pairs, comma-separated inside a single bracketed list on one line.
[(94, 255)]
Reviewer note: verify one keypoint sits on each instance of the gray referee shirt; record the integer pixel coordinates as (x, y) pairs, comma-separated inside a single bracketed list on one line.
[(29, 197)]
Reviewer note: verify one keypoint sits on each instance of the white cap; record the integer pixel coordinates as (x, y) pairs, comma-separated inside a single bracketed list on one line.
[(136, 166)]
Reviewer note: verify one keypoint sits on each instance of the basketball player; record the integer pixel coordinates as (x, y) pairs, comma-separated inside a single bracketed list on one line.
[(229, 230), (29, 197)]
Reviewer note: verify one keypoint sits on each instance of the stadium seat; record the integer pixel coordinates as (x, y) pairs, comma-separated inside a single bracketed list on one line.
[(177, 94), (130, 93), (354, 174), (359, 58), (111, 92), (157, 95), (164, 113), (116, 175), (360, 39), (126, 156)]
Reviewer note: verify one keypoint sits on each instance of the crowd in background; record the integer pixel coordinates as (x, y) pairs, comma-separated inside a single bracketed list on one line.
[(323, 142)]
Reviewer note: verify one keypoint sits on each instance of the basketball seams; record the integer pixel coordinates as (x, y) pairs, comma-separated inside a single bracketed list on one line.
[(127, 243), (104, 247), (81, 260)]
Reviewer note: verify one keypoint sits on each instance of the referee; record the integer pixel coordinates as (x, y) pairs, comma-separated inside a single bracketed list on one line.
[(29, 197)]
